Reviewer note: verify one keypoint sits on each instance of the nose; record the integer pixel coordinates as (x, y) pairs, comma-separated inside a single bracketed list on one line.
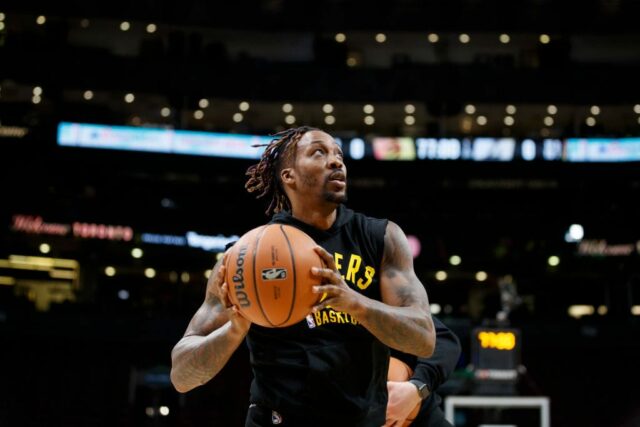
[(335, 162)]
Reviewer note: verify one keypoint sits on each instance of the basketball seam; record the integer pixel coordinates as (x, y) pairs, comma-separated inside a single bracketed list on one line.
[(255, 282), (293, 267)]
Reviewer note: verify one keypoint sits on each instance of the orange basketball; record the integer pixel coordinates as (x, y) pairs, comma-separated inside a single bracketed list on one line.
[(268, 272), (400, 371)]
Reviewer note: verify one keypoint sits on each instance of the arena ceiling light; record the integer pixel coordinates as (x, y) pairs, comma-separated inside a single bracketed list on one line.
[(136, 253), (510, 109), (577, 311), (433, 38), (327, 108), (574, 234)]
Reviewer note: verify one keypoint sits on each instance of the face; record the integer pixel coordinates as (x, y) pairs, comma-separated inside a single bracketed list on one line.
[(318, 170)]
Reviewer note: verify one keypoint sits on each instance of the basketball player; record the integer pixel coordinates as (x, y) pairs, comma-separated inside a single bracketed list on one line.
[(331, 368), (420, 388)]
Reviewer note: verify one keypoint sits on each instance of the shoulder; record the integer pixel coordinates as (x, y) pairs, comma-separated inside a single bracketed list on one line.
[(394, 235), (396, 246), (369, 222)]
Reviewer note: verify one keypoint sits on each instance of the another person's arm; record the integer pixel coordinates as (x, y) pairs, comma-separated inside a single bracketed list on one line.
[(432, 371), (435, 370), (214, 333), (402, 320)]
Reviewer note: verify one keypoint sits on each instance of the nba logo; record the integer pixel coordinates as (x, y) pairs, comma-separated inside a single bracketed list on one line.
[(276, 418), (310, 321)]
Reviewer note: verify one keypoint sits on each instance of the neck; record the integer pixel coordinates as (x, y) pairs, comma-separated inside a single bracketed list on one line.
[(319, 217)]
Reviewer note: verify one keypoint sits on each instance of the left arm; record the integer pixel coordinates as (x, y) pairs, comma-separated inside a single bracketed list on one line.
[(402, 320)]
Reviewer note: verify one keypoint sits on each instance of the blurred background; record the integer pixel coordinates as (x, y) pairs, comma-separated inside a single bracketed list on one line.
[(503, 137)]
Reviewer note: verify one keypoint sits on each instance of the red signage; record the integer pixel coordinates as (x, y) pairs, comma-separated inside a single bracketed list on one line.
[(101, 231), (36, 225)]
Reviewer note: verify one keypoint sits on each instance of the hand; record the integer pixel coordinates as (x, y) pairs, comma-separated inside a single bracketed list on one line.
[(403, 399), (337, 293), (238, 322)]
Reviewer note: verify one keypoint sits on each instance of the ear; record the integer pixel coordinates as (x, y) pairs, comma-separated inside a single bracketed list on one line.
[(287, 176)]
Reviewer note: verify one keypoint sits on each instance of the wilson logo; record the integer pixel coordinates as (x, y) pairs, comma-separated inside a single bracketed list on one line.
[(238, 279), (274, 274)]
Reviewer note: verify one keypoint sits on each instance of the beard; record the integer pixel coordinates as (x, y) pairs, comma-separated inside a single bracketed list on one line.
[(327, 195), (334, 197)]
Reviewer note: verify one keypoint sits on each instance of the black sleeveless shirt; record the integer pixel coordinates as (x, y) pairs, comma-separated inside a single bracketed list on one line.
[(328, 369)]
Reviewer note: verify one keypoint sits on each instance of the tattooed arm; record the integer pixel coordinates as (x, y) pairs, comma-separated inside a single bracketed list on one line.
[(402, 320), (214, 333)]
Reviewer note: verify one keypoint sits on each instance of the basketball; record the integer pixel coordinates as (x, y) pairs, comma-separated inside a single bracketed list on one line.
[(268, 272), (400, 371)]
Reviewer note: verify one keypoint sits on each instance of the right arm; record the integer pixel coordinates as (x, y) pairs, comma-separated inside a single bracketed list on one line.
[(214, 333)]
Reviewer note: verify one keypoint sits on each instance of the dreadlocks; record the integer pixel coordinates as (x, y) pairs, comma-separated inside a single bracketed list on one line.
[(264, 176)]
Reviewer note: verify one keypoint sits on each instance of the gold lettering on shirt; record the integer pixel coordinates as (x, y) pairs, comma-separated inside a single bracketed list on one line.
[(354, 266), (357, 273), (369, 272), (329, 315)]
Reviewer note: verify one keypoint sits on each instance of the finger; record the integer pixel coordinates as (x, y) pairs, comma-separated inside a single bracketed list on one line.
[(330, 290), (331, 275), (326, 257), (321, 306), (224, 294), (237, 312)]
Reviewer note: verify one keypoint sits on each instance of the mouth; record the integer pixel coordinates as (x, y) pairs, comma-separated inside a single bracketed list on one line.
[(337, 177)]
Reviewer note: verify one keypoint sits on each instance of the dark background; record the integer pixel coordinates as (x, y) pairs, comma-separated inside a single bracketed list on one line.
[(103, 360)]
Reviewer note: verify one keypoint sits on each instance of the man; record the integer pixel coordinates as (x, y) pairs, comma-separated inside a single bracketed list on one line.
[(418, 386), (331, 368)]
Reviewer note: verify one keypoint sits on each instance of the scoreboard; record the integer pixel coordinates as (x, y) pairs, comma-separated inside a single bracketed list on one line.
[(495, 355)]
